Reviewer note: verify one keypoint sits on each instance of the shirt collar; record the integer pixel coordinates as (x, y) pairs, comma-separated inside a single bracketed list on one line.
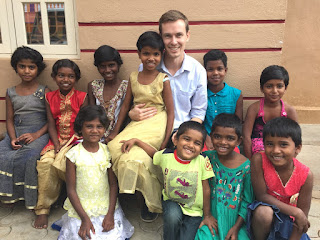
[(179, 159), (222, 93), (186, 65)]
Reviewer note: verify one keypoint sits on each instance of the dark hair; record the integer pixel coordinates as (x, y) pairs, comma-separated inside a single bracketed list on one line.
[(214, 55), (283, 127), (274, 72), (173, 16), (67, 63), (227, 120), (89, 113), (27, 53), (106, 53), (150, 39), (192, 125)]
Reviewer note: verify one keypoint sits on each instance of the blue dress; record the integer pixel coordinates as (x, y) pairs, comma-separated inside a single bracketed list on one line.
[(18, 174)]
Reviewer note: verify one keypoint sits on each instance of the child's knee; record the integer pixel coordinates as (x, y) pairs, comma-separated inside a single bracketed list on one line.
[(263, 215), (172, 213)]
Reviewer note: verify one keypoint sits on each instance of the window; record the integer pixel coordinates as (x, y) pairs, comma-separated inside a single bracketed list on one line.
[(46, 25), (5, 45)]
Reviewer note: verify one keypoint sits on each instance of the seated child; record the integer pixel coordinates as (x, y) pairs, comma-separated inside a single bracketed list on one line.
[(222, 98), (186, 172), (62, 106), (231, 189), (92, 185), (135, 170), (110, 91), (282, 185), (274, 81), (26, 130)]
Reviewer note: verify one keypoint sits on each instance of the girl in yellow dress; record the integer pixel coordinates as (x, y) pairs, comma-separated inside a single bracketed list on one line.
[(135, 170), (93, 211)]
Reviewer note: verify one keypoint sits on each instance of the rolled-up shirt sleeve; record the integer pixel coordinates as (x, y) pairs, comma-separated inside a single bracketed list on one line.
[(199, 99)]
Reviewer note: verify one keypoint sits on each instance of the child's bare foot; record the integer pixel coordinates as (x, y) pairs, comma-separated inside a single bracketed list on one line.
[(41, 221)]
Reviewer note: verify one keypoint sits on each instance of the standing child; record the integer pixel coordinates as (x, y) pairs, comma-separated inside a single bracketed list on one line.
[(186, 172), (231, 189), (222, 98), (135, 170), (92, 185), (274, 81), (110, 91), (281, 183), (26, 130), (62, 106)]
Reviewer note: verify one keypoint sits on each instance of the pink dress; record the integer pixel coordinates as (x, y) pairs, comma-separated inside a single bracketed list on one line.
[(257, 131), (285, 193)]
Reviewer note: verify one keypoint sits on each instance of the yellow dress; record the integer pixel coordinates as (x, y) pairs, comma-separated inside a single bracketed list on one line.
[(135, 170), (92, 187)]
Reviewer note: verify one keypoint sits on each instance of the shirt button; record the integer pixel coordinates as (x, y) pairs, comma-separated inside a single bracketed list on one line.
[(215, 95), (215, 111), (215, 103)]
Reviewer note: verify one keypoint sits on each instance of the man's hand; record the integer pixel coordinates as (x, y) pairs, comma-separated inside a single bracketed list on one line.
[(138, 113)]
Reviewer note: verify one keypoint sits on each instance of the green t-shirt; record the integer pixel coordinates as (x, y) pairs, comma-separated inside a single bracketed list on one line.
[(183, 180)]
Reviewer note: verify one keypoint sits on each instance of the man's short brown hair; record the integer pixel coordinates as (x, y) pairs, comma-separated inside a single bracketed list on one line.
[(172, 16)]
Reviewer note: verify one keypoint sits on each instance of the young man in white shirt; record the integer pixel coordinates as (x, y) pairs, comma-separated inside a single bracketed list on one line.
[(188, 79)]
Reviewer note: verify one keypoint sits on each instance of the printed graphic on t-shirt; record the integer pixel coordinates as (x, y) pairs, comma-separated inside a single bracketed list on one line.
[(182, 186), (208, 164)]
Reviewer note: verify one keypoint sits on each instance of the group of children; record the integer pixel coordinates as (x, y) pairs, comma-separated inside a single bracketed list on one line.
[(216, 194)]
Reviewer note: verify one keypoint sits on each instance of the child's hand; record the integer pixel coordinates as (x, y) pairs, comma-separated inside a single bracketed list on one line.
[(301, 221), (108, 223), (211, 222), (232, 233), (84, 231), (111, 136), (57, 148), (127, 145), (28, 138), (209, 143), (15, 144)]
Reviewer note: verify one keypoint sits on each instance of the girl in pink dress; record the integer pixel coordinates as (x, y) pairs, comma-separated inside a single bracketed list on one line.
[(282, 185), (274, 81)]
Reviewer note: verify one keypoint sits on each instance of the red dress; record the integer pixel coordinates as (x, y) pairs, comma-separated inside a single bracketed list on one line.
[(64, 110), (275, 186)]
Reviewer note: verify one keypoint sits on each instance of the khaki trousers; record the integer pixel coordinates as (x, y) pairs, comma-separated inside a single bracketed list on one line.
[(51, 174)]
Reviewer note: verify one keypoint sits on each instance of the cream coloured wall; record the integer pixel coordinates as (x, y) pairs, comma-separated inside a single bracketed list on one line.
[(253, 33), (301, 58)]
